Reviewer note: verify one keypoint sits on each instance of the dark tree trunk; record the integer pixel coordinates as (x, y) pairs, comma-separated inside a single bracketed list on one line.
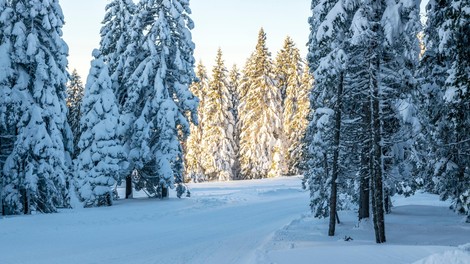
[(26, 202), (387, 202), (165, 192), (378, 200), (336, 146), (364, 197), (365, 172), (2, 210), (376, 126), (129, 187)]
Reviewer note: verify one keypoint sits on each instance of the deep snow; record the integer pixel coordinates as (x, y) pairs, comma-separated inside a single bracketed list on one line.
[(261, 221)]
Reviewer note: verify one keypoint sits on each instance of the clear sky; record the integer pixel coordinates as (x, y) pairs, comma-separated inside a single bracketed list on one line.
[(232, 25)]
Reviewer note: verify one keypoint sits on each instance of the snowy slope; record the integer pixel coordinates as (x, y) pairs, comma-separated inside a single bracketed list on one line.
[(262, 221)]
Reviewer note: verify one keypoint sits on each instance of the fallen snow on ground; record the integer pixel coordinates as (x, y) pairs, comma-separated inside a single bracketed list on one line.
[(261, 221)]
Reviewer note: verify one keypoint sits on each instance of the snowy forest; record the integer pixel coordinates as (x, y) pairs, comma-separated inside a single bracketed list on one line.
[(380, 106)]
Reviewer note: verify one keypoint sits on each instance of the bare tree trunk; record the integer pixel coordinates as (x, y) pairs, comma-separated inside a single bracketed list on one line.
[(335, 174), (365, 172), (376, 125), (129, 187), (2, 211), (26, 202), (378, 200)]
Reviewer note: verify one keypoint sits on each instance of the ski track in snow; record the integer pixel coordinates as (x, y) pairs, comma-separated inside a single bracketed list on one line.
[(261, 221)]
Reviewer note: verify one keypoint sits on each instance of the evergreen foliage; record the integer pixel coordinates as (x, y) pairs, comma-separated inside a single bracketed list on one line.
[(75, 92), (101, 154), (35, 171), (444, 101), (219, 125), (194, 150), (260, 117), (295, 82), (158, 99), (115, 38)]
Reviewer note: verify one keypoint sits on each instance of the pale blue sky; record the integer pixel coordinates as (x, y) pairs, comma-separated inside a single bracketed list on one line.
[(232, 25)]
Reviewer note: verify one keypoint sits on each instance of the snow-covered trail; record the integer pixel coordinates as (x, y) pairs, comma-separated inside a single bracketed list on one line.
[(220, 223)]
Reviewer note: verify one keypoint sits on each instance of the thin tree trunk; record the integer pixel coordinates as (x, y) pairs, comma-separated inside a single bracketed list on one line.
[(129, 187), (336, 149), (2, 211), (26, 202), (365, 172)]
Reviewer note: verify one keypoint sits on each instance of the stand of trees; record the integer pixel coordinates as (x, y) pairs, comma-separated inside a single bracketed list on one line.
[(250, 123), (381, 118)]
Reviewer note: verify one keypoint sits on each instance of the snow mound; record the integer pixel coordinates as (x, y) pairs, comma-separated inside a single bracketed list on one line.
[(451, 256)]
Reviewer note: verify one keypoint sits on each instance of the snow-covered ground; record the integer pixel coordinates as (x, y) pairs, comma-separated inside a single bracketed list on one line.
[(262, 221)]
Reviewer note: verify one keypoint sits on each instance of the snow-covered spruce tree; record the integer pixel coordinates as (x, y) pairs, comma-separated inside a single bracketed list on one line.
[(194, 151), (431, 74), (329, 26), (74, 101), (37, 167), (445, 104), (400, 61), (10, 98), (288, 63), (260, 114), (158, 98), (299, 123), (234, 89), (101, 155), (385, 32), (115, 38), (289, 73), (218, 126)]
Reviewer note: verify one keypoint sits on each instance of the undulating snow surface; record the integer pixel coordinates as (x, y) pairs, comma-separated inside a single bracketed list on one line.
[(262, 221)]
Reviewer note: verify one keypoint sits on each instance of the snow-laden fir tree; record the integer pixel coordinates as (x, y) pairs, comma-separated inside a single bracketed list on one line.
[(385, 32), (10, 98), (445, 100), (101, 155), (289, 75), (194, 151), (158, 98), (74, 101), (219, 127), (36, 169), (115, 38), (260, 115), (327, 59), (234, 80), (297, 100)]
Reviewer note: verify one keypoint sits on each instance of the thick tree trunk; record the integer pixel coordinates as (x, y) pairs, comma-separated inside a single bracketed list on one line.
[(335, 174), (376, 125), (129, 187), (364, 197), (378, 200)]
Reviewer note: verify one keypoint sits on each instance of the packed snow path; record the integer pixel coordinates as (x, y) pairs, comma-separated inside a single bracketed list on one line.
[(261, 221), (220, 223)]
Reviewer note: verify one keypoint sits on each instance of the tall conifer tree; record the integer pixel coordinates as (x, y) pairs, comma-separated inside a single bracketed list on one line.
[(75, 92), (260, 117), (194, 154), (289, 74), (10, 99), (38, 164), (445, 100), (101, 155), (219, 125), (158, 99)]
